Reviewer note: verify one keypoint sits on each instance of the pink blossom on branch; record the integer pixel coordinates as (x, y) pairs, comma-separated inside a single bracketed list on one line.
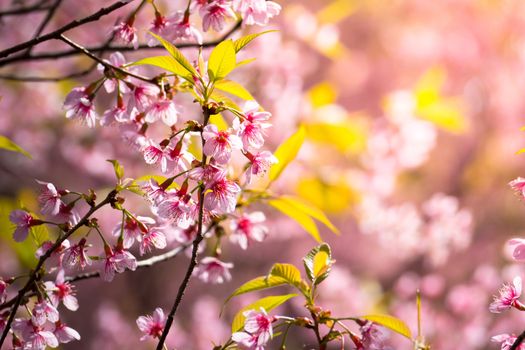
[(62, 291), (260, 163), (508, 297), (257, 330), (212, 270), (518, 185), (215, 14), (506, 341), (49, 199), (152, 326), (126, 33), (79, 104), (257, 12), (219, 144), (23, 221), (221, 195)]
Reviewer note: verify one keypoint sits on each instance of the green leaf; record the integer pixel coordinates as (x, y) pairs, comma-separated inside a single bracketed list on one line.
[(287, 152), (240, 43), (259, 283), (119, 169), (305, 221), (310, 210), (390, 322), (245, 62), (234, 88), (222, 60), (318, 262), (9, 145), (40, 234), (167, 63), (267, 303), (288, 272), (218, 121), (177, 55)]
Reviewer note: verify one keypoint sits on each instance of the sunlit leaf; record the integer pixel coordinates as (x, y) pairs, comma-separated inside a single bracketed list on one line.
[(234, 88), (310, 210), (304, 220), (9, 145), (167, 63), (259, 283), (177, 55), (218, 121), (245, 62), (267, 303), (118, 168), (240, 43), (322, 94), (222, 60), (390, 322), (348, 136), (287, 152), (332, 197), (337, 11), (318, 262), (221, 98), (40, 234), (288, 272)]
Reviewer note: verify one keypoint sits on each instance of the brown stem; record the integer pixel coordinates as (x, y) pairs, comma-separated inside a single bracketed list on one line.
[(35, 274), (518, 341), (45, 22)]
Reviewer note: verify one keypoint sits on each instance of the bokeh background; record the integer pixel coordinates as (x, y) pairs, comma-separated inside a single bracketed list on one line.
[(413, 112)]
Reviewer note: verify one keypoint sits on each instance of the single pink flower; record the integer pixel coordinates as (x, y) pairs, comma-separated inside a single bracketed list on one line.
[(247, 228), (256, 12), (142, 96), (506, 341), (65, 334), (176, 209), (153, 191), (219, 144), (518, 245), (133, 229), (212, 270), (257, 330), (49, 199), (126, 33), (221, 195), (116, 261), (152, 326), (76, 256), (116, 114), (161, 27), (260, 163), (162, 109), (252, 129), (23, 221), (79, 104), (508, 297), (182, 29), (372, 336), (42, 312), (153, 238), (215, 14), (62, 291)]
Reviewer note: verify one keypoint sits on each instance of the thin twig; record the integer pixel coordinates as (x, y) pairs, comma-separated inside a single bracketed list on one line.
[(112, 48), (35, 274), (518, 341), (57, 33), (44, 23)]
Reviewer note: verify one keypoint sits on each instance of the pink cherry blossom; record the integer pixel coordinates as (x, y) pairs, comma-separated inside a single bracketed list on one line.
[(116, 114), (257, 330), (518, 245), (65, 334), (207, 172), (215, 14), (142, 96), (34, 336), (252, 129), (153, 238), (221, 195), (23, 221), (76, 256), (256, 12), (67, 213), (152, 326), (42, 312), (159, 26), (153, 191), (49, 199), (162, 109), (117, 260), (212, 270), (55, 259), (508, 297), (79, 104), (176, 209), (247, 228), (62, 291), (133, 229), (372, 336), (181, 28), (518, 185), (126, 33), (506, 341), (3, 291), (116, 59), (219, 144), (260, 163)]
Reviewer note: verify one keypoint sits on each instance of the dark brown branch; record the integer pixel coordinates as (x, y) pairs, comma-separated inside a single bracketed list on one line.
[(35, 274), (518, 341), (44, 23), (57, 33), (113, 48)]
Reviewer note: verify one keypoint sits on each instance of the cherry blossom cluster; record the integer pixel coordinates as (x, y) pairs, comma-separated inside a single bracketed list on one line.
[(213, 15)]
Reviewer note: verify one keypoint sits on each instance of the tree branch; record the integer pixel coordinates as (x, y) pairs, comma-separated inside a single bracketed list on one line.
[(44, 23), (518, 341), (57, 33)]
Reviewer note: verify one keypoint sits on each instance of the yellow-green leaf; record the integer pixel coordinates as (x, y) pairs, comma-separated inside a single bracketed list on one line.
[(234, 88), (9, 145), (259, 283), (177, 55), (267, 303), (318, 262), (305, 221), (322, 94), (167, 63), (228, 102), (222, 60), (390, 322), (245, 62), (289, 272), (287, 152), (310, 210), (240, 43), (219, 121), (118, 168)]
